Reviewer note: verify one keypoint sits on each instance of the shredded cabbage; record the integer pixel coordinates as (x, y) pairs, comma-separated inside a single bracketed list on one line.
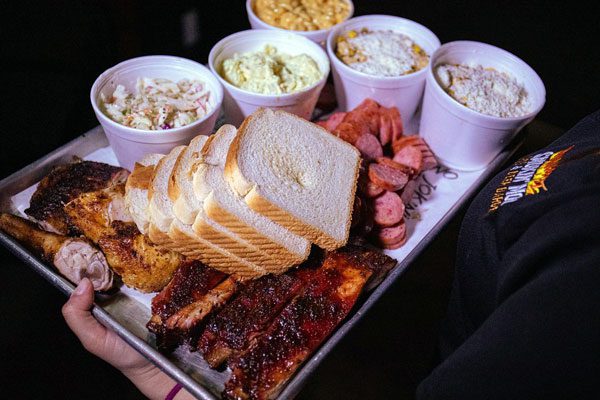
[(159, 104)]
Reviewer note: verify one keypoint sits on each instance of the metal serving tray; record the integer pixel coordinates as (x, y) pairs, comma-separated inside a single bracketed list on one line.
[(439, 195)]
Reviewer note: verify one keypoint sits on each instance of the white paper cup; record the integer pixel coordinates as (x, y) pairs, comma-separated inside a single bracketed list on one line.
[(404, 92), (239, 103), (130, 144), (462, 138), (319, 36)]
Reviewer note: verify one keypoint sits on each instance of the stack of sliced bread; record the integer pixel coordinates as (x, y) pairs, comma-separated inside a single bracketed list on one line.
[(251, 201)]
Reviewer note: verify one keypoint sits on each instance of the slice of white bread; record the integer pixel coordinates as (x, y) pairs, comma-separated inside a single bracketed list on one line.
[(181, 238), (211, 231), (180, 190), (136, 190), (224, 206), (188, 243), (295, 173), (160, 209), (185, 240)]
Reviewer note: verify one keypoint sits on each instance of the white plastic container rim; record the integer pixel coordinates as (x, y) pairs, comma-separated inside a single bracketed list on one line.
[(252, 37), (186, 66), (420, 34), (475, 53), (313, 35)]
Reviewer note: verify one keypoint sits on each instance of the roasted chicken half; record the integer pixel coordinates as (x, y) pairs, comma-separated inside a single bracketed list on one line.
[(102, 217)]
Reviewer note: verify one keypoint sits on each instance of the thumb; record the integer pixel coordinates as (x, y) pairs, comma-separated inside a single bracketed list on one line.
[(76, 312), (82, 297)]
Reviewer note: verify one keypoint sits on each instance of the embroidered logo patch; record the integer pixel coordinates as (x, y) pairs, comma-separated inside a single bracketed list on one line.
[(526, 177)]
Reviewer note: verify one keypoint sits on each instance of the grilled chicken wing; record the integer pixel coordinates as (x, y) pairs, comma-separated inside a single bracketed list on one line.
[(75, 258), (65, 183)]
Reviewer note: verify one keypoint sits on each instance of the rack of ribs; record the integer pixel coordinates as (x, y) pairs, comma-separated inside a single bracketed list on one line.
[(246, 316), (191, 282), (140, 263), (267, 327), (63, 184), (263, 368), (74, 258), (187, 323), (250, 313)]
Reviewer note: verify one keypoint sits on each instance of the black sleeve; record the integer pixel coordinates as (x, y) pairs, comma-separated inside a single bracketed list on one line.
[(543, 338)]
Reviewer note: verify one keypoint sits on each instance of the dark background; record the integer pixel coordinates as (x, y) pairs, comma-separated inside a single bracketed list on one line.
[(52, 52)]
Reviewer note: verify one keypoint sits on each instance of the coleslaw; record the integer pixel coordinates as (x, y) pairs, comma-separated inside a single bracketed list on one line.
[(158, 104)]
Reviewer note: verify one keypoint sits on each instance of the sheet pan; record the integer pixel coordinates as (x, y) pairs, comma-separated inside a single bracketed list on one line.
[(439, 195)]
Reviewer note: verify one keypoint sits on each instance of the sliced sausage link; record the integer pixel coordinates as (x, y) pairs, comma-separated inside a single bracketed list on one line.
[(429, 162), (388, 209), (411, 157), (400, 167), (369, 146), (334, 120), (412, 140), (372, 190), (387, 177), (385, 129), (391, 237), (322, 124), (408, 191), (347, 132), (368, 112), (396, 120)]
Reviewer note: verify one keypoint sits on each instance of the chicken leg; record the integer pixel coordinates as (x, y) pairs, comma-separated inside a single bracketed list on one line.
[(75, 258)]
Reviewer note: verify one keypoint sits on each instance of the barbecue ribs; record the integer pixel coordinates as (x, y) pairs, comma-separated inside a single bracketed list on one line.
[(246, 316), (65, 183), (75, 258), (261, 371), (191, 283), (264, 328)]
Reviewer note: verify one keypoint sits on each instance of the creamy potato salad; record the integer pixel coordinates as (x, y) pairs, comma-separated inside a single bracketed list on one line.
[(158, 104), (270, 72)]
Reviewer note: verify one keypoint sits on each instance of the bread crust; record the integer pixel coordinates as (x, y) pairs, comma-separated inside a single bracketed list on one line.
[(138, 181), (261, 205), (231, 171), (279, 256), (238, 248), (140, 177), (182, 209), (154, 212), (213, 256), (172, 188)]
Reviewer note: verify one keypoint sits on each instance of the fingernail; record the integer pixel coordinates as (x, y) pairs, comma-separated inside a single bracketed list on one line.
[(82, 287)]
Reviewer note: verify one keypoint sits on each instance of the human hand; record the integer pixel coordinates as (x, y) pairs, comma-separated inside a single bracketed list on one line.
[(106, 344), (95, 337)]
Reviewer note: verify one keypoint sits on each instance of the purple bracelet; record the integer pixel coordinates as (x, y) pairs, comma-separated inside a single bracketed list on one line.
[(174, 392)]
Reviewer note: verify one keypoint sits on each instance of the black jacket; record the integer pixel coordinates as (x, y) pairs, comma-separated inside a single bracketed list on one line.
[(524, 314)]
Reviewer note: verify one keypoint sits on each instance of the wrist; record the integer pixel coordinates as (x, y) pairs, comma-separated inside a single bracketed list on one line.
[(142, 373), (154, 383), (150, 380)]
